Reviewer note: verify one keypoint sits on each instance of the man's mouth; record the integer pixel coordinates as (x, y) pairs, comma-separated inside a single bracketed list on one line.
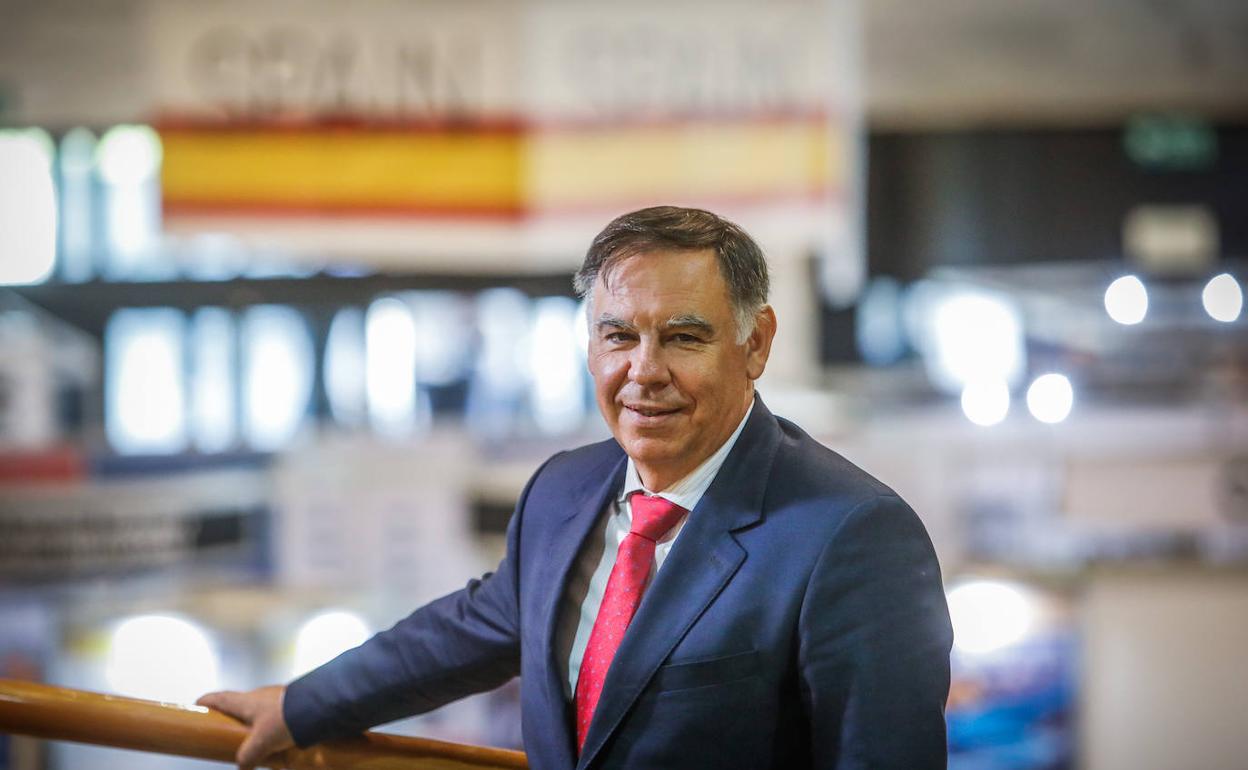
[(650, 411)]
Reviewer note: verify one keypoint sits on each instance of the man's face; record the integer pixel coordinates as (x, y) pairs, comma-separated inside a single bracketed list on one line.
[(670, 379)]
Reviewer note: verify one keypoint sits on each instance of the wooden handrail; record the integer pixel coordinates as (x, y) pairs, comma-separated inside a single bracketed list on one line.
[(58, 713)]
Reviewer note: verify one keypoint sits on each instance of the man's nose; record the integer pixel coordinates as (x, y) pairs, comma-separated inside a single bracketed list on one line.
[(648, 367)]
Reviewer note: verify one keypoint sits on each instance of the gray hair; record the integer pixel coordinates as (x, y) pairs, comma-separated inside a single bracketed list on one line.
[(671, 228)]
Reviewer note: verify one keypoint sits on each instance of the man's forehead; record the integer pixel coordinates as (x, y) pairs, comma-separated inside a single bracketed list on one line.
[(703, 261)]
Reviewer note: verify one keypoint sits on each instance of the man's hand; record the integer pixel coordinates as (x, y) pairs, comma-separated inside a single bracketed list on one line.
[(261, 709)]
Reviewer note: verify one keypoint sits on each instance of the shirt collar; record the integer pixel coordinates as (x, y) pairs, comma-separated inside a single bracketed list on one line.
[(689, 490)]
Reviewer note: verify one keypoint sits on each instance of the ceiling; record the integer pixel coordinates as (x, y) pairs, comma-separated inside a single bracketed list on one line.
[(959, 62), (953, 63)]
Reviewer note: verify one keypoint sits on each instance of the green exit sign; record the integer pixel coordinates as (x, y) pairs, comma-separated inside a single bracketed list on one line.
[(1170, 143)]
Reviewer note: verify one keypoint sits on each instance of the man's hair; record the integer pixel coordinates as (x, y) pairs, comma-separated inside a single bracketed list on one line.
[(671, 228)]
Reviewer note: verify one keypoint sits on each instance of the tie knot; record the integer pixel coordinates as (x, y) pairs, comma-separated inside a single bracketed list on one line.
[(653, 516)]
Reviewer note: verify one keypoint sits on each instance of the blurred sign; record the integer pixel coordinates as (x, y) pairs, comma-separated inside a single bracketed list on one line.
[(540, 115), (1171, 143), (392, 60)]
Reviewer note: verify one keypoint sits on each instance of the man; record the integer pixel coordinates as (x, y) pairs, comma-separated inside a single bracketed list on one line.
[(710, 589)]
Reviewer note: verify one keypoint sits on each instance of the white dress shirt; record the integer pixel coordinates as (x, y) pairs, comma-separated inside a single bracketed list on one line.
[(588, 578)]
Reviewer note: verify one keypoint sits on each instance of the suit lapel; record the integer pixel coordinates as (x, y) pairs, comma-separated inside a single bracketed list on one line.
[(702, 561), (586, 505)]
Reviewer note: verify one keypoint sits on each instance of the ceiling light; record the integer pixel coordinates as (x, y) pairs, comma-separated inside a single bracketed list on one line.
[(1126, 300), (1050, 397), (1223, 298), (986, 402)]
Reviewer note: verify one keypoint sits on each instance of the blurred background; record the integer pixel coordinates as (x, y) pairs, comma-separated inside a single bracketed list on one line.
[(286, 322)]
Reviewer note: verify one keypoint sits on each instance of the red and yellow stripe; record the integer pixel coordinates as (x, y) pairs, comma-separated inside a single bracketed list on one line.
[(496, 169)]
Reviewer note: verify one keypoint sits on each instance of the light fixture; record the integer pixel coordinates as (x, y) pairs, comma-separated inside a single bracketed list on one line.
[(325, 636), (161, 657), (277, 372), (986, 402), (975, 336), (390, 366), (1050, 398), (1223, 298), (128, 155), (990, 615), (1126, 300), (145, 381)]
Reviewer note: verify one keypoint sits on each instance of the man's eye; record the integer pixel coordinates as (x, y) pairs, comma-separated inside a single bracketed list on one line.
[(685, 338), (617, 337)]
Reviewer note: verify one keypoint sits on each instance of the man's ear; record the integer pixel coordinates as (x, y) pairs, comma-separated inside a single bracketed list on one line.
[(758, 345)]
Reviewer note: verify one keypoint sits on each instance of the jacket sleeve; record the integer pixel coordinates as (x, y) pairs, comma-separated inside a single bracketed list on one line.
[(464, 643), (875, 641)]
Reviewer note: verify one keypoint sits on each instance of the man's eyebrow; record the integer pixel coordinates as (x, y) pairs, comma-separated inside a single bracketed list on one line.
[(606, 321), (689, 320)]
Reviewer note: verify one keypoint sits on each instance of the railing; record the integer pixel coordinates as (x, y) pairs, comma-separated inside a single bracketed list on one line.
[(44, 711)]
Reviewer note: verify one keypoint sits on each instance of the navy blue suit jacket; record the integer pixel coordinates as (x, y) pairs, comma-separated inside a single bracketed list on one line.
[(798, 621)]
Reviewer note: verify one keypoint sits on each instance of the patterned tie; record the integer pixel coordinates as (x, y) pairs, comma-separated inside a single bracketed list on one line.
[(652, 518)]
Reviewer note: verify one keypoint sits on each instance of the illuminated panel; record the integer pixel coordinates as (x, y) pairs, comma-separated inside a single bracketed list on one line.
[(277, 375), (556, 368), (390, 355), (344, 367), (213, 424), (145, 382), (27, 207)]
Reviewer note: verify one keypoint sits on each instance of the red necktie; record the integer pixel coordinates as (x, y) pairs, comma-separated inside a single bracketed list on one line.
[(652, 518)]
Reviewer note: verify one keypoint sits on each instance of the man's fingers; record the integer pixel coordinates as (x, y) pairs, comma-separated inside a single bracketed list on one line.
[(260, 744), (261, 710), (230, 703), (250, 752)]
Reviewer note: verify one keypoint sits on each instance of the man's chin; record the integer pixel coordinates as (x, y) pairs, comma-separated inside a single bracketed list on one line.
[(649, 450)]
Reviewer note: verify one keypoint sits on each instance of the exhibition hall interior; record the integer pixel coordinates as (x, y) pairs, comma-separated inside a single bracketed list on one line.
[(287, 322)]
